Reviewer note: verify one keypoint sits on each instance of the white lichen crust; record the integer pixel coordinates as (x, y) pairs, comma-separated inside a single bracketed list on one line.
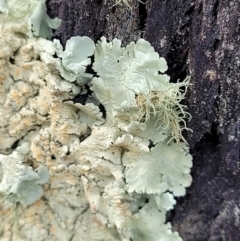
[(70, 170)]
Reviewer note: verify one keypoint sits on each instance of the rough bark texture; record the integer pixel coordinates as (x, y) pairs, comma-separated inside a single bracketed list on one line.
[(198, 38)]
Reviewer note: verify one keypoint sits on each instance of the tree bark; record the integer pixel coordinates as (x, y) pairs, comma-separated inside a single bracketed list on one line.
[(198, 38)]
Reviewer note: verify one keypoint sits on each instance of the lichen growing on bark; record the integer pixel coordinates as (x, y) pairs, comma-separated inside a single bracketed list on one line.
[(113, 173)]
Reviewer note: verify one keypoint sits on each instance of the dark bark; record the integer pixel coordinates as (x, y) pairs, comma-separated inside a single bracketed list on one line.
[(198, 38)]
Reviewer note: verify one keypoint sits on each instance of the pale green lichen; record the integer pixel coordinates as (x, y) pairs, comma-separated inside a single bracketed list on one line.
[(133, 82), (19, 182), (32, 13), (111, 177), (165, 106)]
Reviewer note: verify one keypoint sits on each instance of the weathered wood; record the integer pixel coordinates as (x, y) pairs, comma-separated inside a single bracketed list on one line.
[(198, 38)]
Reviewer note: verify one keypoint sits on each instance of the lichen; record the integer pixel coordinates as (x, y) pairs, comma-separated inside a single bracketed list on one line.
[(125, 2), (115, 161)]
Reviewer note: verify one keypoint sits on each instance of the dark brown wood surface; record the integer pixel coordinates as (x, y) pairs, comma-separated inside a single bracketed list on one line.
[(200, 38)]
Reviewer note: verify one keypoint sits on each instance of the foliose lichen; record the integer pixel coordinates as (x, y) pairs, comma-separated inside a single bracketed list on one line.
[(106, 168)]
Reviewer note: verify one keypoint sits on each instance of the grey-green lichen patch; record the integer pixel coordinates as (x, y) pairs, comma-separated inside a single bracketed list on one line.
[(73, 60), (106, 168), (130, 83), (33, 15), (20, 183)]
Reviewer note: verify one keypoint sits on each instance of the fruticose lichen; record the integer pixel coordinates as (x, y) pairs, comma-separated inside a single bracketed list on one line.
[(125, 2), (104, 168)]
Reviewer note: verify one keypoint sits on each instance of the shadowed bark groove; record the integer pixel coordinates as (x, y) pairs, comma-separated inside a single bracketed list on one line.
[(198, 38)]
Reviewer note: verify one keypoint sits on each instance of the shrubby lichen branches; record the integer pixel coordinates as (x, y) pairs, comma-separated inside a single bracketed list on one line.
[(76, 174), (125, 2), (165, 106)]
